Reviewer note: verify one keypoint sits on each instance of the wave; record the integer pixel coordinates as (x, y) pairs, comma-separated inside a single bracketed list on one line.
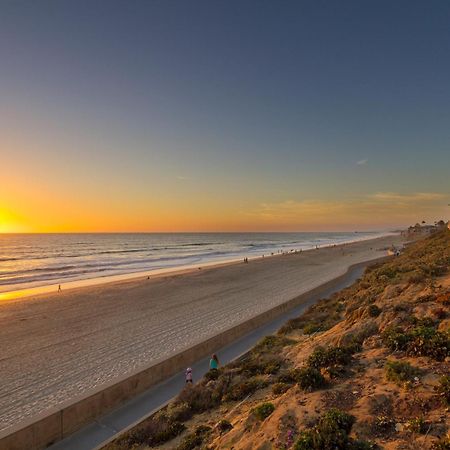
[(37, 259)]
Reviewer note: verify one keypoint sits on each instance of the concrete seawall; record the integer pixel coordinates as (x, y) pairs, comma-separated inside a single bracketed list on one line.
[(45, 429)]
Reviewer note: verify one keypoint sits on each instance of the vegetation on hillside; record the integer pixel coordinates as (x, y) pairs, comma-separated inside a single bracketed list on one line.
[(367, 368)]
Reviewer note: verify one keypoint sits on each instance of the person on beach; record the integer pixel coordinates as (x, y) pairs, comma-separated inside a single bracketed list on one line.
[(188, 375), (214, 362), (59, 288)]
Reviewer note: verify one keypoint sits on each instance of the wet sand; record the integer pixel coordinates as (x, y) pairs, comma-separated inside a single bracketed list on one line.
[(57, 346)]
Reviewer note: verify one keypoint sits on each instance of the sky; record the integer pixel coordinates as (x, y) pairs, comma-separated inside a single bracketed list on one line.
[(223, 115)]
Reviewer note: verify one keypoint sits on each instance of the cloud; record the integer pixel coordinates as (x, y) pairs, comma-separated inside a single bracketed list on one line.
[(362, 162), (182, 178), (410, 198)]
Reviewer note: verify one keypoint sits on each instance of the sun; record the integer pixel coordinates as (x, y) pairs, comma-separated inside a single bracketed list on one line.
[(9, 223)]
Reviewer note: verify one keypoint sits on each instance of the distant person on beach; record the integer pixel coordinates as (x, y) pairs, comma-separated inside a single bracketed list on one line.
[(59, 288), (188, 375), (214, 362)]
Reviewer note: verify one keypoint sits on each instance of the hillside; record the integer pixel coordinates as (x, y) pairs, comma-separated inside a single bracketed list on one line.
[(367, 368)]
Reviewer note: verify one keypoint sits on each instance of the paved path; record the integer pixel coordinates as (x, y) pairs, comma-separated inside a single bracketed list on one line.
[(95, 435)]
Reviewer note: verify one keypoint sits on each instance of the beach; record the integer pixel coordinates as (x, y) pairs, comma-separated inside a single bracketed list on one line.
[(60, 345)]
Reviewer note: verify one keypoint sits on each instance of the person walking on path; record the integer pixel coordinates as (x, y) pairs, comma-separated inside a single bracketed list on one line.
[(188, 375), (214, 362)]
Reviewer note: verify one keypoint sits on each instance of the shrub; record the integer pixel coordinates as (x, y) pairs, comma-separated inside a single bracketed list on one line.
[(312, 327), (419, 341), (242, 389), (384, 423), (309, 378), (212, 374), (289, 376), (199, 398), (443, 390), (374, 311), (224, 426), (399, 371), (395, 339), (332, 356), (193, 440), (263, 410), (332, 432), (416, 425), (179, 411), (271, 343), (280, 388), (305, 441), (260, 365), (426, 341)]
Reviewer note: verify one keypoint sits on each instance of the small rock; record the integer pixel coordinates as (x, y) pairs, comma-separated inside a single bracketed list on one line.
[(399, 427)]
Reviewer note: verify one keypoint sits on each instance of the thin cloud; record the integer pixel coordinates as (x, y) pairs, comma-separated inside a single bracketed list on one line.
[(362, 162), (415, 197)]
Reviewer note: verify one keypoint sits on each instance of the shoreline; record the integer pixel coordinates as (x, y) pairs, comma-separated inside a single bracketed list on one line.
[(157, 273)]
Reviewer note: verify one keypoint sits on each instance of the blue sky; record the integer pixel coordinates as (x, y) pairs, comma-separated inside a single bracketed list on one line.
[(207, 114)]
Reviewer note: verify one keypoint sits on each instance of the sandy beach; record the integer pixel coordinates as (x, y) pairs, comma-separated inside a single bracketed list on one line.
[(57, 346)]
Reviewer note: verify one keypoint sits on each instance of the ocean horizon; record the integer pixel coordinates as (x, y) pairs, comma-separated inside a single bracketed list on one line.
[(35, 260)]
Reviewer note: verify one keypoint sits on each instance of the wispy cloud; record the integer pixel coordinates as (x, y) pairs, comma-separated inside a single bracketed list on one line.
[(362, 162), (414, 197), (182, 178)]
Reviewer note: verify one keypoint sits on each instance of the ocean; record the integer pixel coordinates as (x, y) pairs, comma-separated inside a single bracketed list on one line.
[(31, 260)]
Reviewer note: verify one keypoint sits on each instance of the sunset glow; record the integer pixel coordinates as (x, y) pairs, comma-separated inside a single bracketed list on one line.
[(187, 128)]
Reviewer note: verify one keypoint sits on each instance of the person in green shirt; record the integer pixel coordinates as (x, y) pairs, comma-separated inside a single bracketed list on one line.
[(214, 362)]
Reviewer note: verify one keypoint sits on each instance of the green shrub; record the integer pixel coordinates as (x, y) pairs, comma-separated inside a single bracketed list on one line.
[(280, 388), (195, 439), (179, 411), (331, 433), (288, 376), (212, 374), (263, 410), (224, 426), (443, 389), (312, 327), (332, 356), (242, 389), (198, 397), (426, 341), (395, 338), (260, 365), (305, 441), (309, 378), (400, 371), (419, 341), (416, 425), (384, 423), (374, 311), (272, 344)]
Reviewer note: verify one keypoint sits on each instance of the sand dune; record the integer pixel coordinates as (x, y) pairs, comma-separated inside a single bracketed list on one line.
[(57, 346)]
